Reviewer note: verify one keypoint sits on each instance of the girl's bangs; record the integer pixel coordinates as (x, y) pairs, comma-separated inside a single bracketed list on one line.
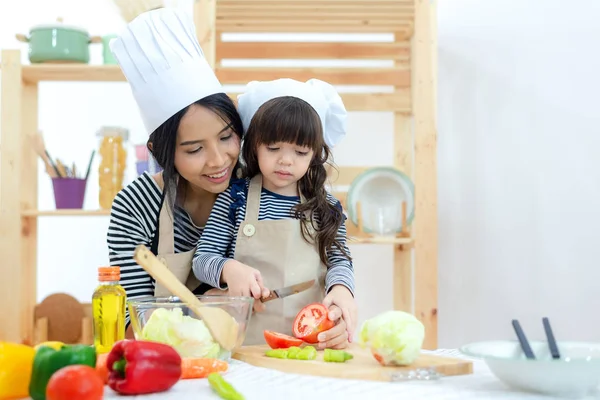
[(289, 120)]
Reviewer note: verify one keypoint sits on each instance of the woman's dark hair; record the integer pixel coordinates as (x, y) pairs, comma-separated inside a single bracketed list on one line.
[(292, 120), (164, 138)]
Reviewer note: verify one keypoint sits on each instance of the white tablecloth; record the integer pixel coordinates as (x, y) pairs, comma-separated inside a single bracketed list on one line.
[(262, 384)]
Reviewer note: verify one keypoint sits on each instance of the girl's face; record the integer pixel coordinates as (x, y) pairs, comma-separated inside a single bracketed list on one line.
[(282, 165), (207, 150)]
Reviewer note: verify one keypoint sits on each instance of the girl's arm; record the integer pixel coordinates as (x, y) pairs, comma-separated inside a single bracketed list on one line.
[(217, 237), (341, 270)]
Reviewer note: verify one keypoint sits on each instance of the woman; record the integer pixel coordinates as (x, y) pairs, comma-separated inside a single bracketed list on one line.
[(195, 135)]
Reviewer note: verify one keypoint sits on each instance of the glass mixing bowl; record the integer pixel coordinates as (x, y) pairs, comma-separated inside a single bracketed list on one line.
[(168, 320)]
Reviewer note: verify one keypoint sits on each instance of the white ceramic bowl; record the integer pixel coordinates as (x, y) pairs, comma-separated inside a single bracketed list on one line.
[(381, 191), (575, 374)]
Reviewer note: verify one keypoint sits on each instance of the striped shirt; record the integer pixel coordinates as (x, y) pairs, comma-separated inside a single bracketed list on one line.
[(217, 244), (133, 221)]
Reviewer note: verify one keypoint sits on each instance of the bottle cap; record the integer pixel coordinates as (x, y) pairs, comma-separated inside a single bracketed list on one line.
[(109, 274)]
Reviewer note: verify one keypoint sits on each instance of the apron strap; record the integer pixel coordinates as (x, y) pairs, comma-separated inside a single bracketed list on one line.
[(166, 236), (253, 200), (154, 244)]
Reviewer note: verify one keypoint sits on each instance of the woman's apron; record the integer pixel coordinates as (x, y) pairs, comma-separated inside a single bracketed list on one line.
[(278, 250), (180, 264)]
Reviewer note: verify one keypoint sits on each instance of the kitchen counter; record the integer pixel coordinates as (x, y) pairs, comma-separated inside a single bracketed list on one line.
[(263, 384)]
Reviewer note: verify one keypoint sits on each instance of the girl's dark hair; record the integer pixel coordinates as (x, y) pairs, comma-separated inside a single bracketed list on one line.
[(164, 138), (292, 120)]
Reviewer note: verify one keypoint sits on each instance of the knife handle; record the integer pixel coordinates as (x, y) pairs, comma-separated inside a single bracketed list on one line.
[(272, 296)]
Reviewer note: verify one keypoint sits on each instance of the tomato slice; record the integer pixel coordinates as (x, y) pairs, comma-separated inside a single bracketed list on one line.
[(277, 340), (311, 321)]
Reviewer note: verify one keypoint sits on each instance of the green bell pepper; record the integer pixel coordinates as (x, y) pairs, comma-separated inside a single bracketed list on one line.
[(48, 360)]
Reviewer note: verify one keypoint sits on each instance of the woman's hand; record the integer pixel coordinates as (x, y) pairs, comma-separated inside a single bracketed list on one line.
[(243, 280), (342, 310)]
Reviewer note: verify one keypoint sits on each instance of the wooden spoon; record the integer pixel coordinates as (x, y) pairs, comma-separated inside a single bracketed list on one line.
[(222, 326)]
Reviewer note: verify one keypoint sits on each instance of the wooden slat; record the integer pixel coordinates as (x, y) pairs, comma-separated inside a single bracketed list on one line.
[(311, 27), (425, 137), (29, 199), (282, 4), (74, 73), (335, 76), (11, 285), (370, 14), (399, 101), (64, 213), (393, 102), (205, 21), (287, 50), (343, 175)]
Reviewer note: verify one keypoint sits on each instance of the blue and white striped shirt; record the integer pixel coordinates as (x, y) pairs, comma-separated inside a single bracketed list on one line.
[(217, 243)]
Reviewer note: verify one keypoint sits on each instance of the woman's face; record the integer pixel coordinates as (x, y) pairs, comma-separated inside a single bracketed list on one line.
[(207, 150)]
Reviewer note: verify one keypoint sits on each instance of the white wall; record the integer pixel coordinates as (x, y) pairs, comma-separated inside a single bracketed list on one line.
[(512, 131), (518, 168)]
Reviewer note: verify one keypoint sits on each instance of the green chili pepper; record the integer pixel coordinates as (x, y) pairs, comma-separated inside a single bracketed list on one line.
[(332, 355), (277, 353), (307, 353), (223, 388)]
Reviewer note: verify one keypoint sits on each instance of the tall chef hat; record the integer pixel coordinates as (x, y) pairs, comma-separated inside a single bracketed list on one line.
[(163, 62), (319, 94)]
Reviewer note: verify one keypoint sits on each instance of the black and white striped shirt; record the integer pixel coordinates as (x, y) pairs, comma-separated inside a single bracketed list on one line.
[(217, 244), (133, 221)]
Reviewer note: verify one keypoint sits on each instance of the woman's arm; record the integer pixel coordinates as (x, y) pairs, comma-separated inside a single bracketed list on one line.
[(217, 237), (133, 219), (341, 270)]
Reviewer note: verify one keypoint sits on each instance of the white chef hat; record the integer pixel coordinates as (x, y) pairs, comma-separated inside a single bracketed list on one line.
[(319, 94), (163, 62)]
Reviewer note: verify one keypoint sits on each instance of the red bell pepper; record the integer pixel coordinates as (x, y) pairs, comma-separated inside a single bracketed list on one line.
[(141, 367)]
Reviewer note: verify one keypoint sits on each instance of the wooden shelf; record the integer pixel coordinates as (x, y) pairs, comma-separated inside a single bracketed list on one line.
[(64, 213), (410, 95), (396, 102), (379, 240), (71, 73)]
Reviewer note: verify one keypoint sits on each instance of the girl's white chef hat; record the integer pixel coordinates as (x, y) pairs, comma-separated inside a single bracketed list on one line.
[(319, 94), (163, 62)]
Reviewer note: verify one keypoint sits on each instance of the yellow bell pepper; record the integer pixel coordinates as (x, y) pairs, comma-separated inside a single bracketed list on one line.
[(55, 345), (16, 362)]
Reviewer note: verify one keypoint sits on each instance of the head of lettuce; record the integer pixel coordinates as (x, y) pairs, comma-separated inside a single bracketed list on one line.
[(188, 335), (394, 337)]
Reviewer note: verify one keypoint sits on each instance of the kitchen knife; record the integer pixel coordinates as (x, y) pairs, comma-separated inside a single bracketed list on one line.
[(288, 291)]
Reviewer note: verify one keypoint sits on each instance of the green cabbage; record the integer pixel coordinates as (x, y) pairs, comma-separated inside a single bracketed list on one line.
[(395, 337), (189, 336)]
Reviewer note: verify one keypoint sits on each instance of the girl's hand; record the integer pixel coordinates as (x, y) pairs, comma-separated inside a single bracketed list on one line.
[(342, 310), (243, 280)]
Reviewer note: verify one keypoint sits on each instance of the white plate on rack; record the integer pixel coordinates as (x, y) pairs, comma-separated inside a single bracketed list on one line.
[(381, 191)]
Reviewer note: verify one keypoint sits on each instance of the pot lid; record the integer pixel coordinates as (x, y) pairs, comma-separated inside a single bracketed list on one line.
[(59, 24)]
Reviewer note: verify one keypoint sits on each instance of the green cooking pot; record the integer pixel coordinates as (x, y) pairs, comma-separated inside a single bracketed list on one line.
[(58, 43)]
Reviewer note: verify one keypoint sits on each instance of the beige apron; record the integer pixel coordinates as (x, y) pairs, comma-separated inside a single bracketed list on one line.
[(180, 264), (278, 250)]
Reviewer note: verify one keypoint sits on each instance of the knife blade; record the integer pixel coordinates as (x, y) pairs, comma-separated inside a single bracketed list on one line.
[(288, 291)]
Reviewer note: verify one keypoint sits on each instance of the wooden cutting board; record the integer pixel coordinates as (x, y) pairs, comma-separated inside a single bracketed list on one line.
[(363, 366)]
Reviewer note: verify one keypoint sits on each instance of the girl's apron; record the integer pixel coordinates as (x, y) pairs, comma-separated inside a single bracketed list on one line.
[(180, 264), (278, 250)]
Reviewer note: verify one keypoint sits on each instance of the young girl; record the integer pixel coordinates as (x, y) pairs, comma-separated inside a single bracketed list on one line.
[(278, 226)]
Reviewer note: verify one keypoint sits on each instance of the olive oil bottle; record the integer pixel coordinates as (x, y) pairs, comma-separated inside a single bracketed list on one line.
[(108, 307)]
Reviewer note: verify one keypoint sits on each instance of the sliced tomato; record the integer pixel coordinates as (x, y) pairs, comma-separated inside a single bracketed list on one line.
[(277, 340), (311, 321)]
